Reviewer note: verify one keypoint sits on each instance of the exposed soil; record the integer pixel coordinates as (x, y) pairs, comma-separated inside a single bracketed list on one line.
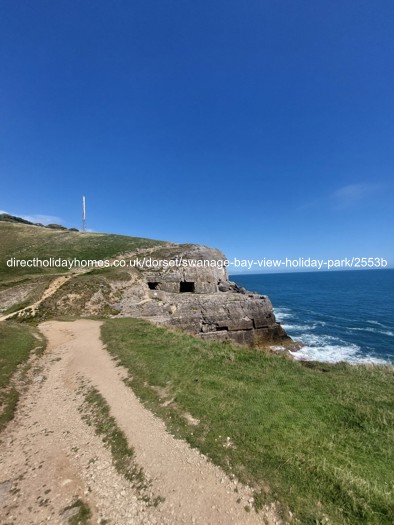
[(32, 309)]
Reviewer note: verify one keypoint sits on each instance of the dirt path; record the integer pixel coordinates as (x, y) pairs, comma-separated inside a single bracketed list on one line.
[(50, 456)]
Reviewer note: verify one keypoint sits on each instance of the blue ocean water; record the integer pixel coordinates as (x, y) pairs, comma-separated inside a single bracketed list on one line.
[(338, 316)]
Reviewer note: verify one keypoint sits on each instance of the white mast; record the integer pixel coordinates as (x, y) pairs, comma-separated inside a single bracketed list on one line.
[(83, 213)]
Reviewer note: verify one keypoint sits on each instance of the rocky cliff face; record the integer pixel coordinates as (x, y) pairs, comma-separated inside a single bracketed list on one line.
[(181, 286), (194, 294), (244, 318)]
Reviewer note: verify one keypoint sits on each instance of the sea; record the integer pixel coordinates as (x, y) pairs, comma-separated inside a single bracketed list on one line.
[(337, 315)]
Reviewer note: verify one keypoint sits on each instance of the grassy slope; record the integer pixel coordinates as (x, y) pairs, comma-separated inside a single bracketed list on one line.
[(321, 436), (16, 343), (25, 242)]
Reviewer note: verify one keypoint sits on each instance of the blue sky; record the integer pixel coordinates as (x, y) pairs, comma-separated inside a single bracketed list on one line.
[(263, 128)]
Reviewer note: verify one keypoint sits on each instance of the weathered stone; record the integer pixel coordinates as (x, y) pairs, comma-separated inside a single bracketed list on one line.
[(188, 290), (202, 301), (5, 489)]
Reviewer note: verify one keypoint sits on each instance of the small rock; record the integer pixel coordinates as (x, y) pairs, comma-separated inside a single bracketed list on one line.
[(5, 488)]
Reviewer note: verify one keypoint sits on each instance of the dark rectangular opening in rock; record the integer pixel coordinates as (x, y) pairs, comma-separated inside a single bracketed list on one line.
[(153, 285), (222, 328), (186, 286)]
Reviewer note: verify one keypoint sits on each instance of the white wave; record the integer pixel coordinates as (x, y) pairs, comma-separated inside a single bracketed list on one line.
[(324, 347), (378, 324), (330, 349), (336, 354), (299, 327), (318, 340), (373, 330), (282, 317), (282, 313)]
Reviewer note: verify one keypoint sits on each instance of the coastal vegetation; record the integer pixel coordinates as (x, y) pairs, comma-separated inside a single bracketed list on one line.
[(21, 285), (23, 242), (315, 439), (17, 341)]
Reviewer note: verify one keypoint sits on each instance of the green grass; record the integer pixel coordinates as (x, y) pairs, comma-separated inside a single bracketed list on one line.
[(317, 438), (96, 412), (16, 343), (26, 242)]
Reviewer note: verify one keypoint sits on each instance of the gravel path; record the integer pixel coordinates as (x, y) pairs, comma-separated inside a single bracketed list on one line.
[(50, 456)]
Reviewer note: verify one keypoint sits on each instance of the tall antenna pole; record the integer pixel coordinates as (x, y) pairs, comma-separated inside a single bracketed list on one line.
[(83, 213)]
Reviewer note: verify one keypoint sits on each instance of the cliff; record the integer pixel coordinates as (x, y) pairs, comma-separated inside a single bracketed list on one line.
[(181, 286)]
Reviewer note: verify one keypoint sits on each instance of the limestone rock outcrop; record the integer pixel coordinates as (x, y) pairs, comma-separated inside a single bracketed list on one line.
[(194, 294), (180, 286)]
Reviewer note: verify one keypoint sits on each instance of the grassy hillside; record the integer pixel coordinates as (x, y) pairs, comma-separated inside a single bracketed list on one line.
[(20, 286), (25, 242), (318, 438)]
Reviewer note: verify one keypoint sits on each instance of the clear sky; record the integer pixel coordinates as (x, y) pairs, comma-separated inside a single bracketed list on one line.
[(264, 128)]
